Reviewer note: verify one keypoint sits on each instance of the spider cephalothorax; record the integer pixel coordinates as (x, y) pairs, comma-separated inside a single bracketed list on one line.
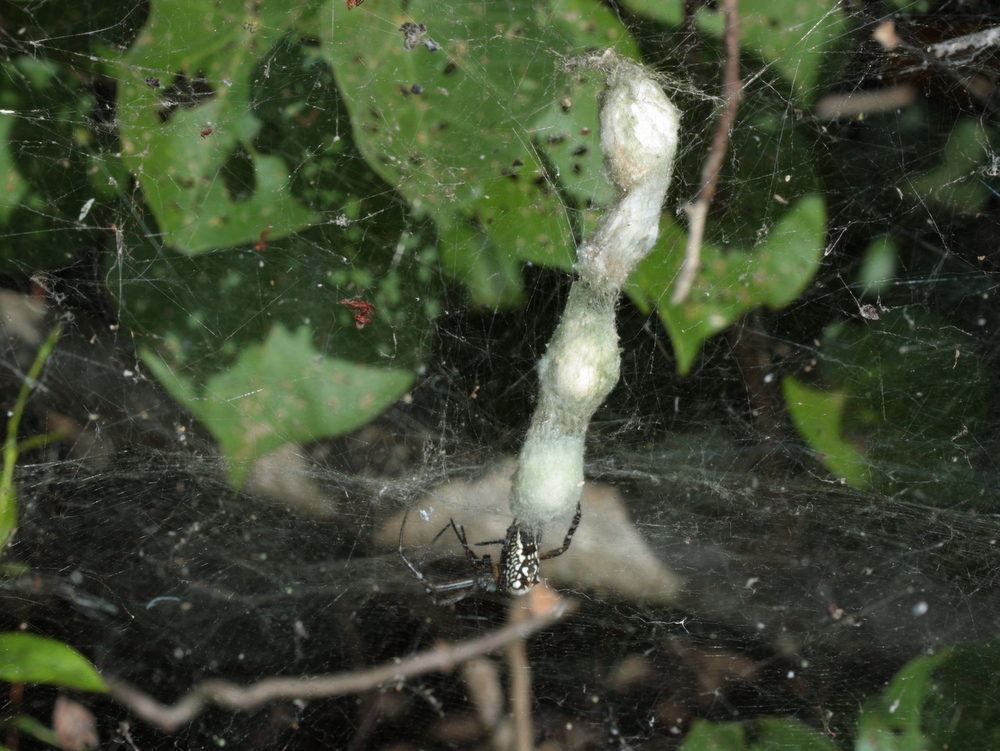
[(515, 574)]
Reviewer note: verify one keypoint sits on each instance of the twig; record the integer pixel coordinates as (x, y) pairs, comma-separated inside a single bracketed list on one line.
[(170, 718), (520, 682), (697, 210), (980, 40), (482, 679)]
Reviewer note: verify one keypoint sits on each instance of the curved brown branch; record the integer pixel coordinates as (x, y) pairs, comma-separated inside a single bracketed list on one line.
[(172, 717), (697, 210)]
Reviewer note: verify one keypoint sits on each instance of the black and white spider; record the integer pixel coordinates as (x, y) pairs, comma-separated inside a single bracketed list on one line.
[(515, 574)]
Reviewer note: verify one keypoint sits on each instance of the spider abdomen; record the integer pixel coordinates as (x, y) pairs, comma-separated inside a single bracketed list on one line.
[(518, 562)]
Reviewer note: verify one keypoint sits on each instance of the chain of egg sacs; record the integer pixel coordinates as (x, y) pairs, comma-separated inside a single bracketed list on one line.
[(639, 132)]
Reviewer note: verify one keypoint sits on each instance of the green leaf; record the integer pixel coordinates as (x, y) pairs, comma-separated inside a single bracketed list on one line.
[(731, 282), (204, 57), (818, 416), (921, 357), (14, 568), (892, 722), (28, 658), (14, 187), (784, 734), (955, 183), (488, 86), (668, 13), (878, 266), (284, 391), (709, 736), (48, 183), (567, 130), (962, 709), (793, 36), (28, 725)]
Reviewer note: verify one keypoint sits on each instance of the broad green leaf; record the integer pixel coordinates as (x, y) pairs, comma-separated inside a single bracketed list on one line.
[(201, 310), (786, 734), (458, 130), (731, 282), (793, 36), (186, 100), (567, 130), (28, 658), (892, 722), (284, 391), (710, 736), (818, 416)]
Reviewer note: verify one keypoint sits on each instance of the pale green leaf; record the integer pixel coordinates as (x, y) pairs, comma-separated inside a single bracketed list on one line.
[(28, 725), (818, 416), (878, 265), (786, 734), (416, 112), (178, 136), (731, 282), (793, 36), (892, 722), (715, 736), (284, 391), (29, 658)]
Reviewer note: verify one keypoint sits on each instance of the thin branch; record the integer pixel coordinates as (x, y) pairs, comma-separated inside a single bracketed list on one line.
[(170, 718), (482, 679), (981, 41), (697, 210), (520, 682)]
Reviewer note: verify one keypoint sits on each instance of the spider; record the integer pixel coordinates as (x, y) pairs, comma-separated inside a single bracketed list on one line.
[(516, 573)]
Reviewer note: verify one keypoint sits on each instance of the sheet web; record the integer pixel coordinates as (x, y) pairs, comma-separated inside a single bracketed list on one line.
[(242, 214)]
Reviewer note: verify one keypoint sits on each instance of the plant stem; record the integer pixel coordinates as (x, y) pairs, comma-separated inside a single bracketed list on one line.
[(11, 449)]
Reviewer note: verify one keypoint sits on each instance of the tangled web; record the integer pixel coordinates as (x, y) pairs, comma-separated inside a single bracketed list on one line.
[(240, 214)]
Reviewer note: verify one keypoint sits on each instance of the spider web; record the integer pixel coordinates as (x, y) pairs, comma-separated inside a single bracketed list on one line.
[(205, 196)]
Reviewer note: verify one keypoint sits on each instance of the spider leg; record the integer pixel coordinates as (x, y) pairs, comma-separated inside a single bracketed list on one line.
[(451, 592), (428, 585), (513, 525), (451, 600), (460, 533), (569, 536), (433, 542), (402, 528), (414, 569), (467, 586), (483, 578)]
